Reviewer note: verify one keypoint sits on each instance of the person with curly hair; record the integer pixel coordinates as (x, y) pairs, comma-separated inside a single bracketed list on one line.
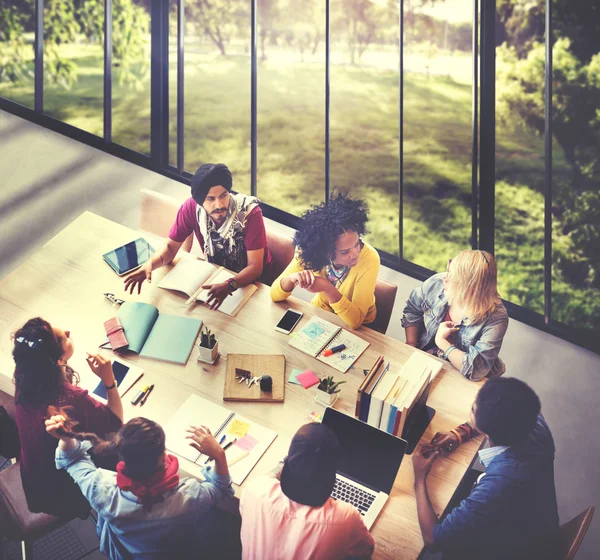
[(43, 379), (333, 262)]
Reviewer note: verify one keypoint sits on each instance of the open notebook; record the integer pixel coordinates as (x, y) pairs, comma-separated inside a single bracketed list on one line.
[(189, 275), (250, 439), (318, 335), (157, 335)]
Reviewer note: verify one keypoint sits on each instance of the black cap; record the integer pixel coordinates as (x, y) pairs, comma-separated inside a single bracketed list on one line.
[(210, 175), (308, 474)]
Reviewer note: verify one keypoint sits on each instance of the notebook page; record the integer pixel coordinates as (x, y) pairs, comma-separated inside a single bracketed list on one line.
[(233, 301), (342, 361), (187, 276), (195, 411), (314, 336)]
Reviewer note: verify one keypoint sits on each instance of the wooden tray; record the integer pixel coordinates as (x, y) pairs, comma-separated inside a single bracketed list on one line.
[(258, 364)]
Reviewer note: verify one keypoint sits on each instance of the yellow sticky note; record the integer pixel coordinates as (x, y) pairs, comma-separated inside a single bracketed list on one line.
[(238, 429)]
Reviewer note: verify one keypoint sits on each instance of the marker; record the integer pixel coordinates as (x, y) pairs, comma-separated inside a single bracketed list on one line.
[(147, 394), (222, 439), (333, 350), (227, 446), (140, 395)]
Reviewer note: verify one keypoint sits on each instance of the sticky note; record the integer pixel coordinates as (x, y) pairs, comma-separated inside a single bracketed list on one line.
[(292, 378), (247, 442), (307, 379), (238, 429)]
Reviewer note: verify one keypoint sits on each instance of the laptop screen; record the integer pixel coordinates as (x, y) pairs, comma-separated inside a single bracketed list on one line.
[(369, 455)]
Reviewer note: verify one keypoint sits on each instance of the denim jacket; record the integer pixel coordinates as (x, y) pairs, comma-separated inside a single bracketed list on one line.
[(512, 512), (481, 342), (170, 529)]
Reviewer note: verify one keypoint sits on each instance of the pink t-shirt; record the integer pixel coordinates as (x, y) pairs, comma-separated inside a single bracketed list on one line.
[(255, 236), (276, 528)]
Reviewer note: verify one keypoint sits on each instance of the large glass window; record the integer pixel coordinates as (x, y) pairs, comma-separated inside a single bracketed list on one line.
[(437, 128), (576, 165), (131, 75), (217, 87), (364, 115), (291, 103), (520, 155), (16, 52)]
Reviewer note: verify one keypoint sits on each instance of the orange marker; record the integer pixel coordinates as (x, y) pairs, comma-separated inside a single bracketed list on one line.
[(334, 350)]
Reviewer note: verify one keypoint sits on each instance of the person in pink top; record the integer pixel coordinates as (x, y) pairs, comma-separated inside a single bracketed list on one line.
[(229, 228), (292, 516)]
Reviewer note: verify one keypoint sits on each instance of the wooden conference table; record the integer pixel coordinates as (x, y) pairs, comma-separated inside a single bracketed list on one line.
[(64, 283)]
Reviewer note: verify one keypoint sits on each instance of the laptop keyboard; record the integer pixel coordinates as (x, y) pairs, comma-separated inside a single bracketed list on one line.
[(353, 495)]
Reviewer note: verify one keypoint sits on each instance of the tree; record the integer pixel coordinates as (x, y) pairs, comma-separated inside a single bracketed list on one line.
[(66, 21)]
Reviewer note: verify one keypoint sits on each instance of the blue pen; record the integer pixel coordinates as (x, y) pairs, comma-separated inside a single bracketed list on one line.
[(222, 439)]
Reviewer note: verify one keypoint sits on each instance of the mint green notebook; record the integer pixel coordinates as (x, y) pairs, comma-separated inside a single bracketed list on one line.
[(160, 336)]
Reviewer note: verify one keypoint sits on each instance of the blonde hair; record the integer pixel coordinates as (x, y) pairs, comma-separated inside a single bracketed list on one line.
[(473, 279)]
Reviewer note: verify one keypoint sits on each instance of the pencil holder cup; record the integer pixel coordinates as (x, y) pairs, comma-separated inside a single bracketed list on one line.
[(208, 355), (325, 398)]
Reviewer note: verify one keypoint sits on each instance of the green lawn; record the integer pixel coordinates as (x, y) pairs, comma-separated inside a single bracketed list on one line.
[(364, 154)]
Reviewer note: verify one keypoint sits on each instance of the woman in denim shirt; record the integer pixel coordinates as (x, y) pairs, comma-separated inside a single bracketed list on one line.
[(145, 511), (459, 316)]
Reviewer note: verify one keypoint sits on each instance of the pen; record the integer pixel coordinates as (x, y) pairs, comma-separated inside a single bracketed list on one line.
[(227, 446), (140, 395), (333, 350), (147, 394)]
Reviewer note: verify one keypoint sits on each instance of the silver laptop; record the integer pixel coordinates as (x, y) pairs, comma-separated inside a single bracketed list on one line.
[(368, 465)]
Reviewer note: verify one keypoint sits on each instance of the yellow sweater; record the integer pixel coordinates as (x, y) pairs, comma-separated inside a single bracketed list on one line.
[(357, 304)]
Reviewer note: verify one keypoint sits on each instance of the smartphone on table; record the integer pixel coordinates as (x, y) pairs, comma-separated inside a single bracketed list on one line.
[(288, 321)]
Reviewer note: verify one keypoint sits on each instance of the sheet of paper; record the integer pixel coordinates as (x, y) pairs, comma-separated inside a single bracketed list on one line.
[(314, 335), (308, 379), (238, 428), (292, 378), (342, 361)]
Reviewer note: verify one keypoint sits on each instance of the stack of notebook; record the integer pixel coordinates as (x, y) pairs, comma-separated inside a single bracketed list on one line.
[(387, 398)]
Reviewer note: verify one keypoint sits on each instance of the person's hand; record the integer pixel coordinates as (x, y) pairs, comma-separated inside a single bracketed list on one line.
[(216, 294), (101, 367), (319, 285), (445, 330), (303, 279), (422, 460), (54, 424), (203, 441), (138, 277), (444, 442)]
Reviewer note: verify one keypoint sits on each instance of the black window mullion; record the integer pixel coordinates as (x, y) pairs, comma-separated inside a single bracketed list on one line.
[(180, 85), (108, 70), (38, 103), (327, 102), (159, 84), (487, 171), (401, 133), (475, 131), (253, 100), (548, 169)]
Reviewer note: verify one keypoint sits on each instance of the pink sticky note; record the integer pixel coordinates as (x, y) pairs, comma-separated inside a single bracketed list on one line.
[(308, 378), (247, 443)]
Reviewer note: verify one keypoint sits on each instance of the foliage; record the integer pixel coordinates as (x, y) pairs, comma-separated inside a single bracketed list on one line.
[(208, 339), (13, 65), (330, 386), (68, 22)]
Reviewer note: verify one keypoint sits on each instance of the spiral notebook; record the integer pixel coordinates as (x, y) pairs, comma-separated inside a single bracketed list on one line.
[(318, 335)]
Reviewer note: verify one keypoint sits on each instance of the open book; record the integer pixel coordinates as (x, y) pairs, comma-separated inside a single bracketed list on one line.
[(189, 275), (249, 440), (318, 335), (157, 335)]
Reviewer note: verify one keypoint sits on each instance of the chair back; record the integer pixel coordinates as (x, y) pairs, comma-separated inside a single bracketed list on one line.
[(572, 533), (282, 251), (385, 296), (158, 214)]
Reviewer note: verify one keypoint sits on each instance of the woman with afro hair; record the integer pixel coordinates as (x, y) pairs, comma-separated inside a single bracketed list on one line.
[(333, 262)]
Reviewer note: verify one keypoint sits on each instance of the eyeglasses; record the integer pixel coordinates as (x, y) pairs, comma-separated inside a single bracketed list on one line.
[(30, 343)]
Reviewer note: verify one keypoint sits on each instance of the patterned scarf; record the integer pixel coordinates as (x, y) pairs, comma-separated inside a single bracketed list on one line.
[(224, 245), (336, 275), (151, 490)]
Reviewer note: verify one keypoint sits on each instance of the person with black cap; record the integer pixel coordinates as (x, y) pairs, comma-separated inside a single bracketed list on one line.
[(229, 228), (295, 517)]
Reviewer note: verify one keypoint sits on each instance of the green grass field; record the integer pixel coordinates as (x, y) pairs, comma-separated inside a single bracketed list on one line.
[(364, 154)]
